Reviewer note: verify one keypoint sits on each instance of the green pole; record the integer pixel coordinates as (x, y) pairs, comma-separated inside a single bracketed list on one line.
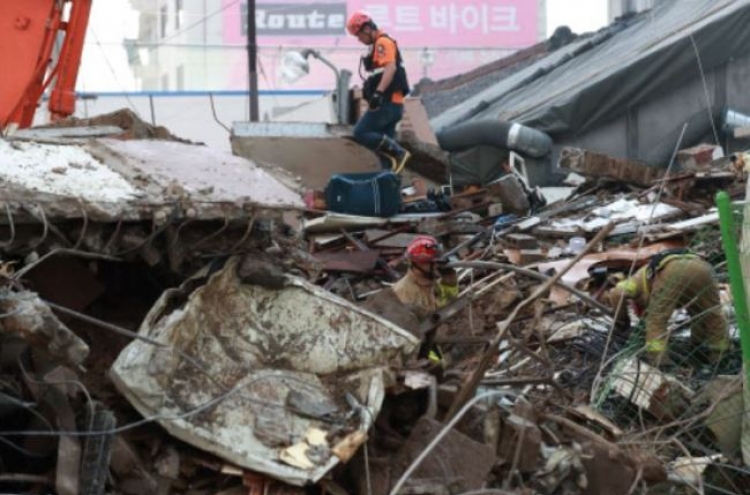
[(736, 283)]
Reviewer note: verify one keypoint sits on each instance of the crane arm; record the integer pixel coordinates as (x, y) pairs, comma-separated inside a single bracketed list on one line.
[(31, 30)]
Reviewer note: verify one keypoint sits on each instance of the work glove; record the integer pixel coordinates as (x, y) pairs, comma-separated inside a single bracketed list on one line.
[(375, 100)]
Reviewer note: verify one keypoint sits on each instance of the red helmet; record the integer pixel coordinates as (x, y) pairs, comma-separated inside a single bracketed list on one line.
[(356, 21), (423, 249)]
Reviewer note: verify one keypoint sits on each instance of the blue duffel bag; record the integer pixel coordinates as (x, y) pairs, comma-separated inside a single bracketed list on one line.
[(376, 194)]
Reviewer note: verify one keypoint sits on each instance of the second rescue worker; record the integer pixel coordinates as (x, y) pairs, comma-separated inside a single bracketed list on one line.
[(384, 91)]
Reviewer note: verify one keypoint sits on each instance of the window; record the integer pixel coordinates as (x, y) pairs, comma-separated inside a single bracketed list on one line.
[(163, 21), (180, 78), (179, 13)]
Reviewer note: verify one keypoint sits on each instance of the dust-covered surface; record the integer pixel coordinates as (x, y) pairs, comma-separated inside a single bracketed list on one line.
[(64, 170), (258, 349), (308, 161), (133, 127), (230, 351), (198, 173), (133, 179)]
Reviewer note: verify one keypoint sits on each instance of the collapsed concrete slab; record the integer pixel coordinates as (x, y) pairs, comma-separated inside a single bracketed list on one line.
[(310, 151), (110, 180), (162, 201), (282, 381)]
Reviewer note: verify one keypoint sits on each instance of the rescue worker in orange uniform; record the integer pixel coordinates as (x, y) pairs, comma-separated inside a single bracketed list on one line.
[(673, 279), (384, 91)]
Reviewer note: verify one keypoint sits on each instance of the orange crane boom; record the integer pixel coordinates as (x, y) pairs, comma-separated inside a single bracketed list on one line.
[(31, 31)]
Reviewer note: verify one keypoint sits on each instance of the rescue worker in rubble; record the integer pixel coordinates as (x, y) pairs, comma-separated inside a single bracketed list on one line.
[(426, 286), (671, 280), (384, 90)]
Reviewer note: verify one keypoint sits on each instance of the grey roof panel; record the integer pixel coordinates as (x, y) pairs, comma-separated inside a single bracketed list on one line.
[(596, 78)]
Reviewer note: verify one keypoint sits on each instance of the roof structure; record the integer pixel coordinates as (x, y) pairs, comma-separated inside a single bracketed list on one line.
[(597, 77)]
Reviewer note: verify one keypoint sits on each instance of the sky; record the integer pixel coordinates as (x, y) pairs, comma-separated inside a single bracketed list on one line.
[(580, 15), (104, 65)]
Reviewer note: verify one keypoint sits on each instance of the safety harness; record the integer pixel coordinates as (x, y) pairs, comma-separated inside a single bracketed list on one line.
[(643, 280), (370, 84)]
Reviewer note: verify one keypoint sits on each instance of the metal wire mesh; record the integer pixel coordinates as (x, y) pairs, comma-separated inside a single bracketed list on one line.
[(691, 406)]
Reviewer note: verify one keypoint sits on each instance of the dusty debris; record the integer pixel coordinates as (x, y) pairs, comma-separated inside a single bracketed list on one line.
[(723, 399), (650, 389), (275, 345), (28, 317), (125, 119), (274, 357), (592, 164)]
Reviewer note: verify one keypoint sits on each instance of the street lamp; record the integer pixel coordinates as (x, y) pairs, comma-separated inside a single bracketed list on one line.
[(427, 57), (294, 66)]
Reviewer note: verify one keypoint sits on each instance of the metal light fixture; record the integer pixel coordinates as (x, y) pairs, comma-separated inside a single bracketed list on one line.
[(295, 65)]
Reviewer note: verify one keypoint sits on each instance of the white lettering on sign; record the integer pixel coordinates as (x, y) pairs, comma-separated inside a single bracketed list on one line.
[(407, 18), (444, 17), (483, 17), (379, 13), (268, 21), (470, 17), (504, 19)]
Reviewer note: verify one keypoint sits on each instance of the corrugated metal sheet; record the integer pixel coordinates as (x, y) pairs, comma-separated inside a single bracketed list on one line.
[(596, 78)]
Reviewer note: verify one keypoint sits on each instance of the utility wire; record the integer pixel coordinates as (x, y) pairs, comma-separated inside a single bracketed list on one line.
[(705, 88), (114, 74)]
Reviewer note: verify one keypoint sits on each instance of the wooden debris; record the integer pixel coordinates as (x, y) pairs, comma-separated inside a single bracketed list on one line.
[(522, 241), (590, 414)]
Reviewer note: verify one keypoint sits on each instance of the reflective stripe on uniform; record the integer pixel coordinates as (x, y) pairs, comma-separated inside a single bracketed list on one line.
[(656, 345), (629, 287), (634, 286), (719, 346), (445, 293)]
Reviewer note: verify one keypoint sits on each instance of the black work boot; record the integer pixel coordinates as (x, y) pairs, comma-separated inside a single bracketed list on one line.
[(395, 152)]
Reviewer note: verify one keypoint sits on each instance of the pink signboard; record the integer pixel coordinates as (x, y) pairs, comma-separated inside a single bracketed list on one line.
[(437, 38), (434, 23)]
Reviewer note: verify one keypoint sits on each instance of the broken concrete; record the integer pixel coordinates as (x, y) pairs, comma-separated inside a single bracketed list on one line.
[(591, 164), (295, 350)]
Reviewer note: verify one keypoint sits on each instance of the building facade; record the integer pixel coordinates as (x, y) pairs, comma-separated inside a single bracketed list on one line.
[(201, 45), (618, 8)]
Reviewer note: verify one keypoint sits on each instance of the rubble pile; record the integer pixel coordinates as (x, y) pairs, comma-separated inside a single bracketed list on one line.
[(132, 126), (185, 337)]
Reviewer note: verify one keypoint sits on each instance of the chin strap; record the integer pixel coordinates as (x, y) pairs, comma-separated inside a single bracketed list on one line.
[(431, 275)]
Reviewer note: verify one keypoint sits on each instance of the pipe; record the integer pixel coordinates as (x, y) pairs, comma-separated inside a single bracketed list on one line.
[(495, 133)]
